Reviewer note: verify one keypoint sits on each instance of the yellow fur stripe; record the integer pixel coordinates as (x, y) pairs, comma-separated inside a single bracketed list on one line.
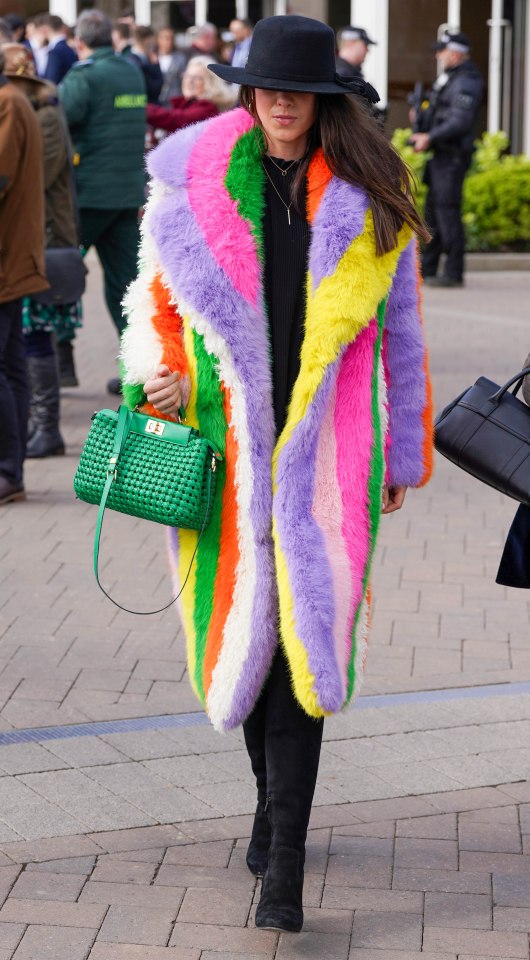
[(342, 305), (188, 538)]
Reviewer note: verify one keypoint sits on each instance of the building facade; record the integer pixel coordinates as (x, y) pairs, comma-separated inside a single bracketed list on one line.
[(404, 30)]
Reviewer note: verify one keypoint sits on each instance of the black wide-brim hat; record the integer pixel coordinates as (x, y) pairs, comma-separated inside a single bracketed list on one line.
[(293, 53)]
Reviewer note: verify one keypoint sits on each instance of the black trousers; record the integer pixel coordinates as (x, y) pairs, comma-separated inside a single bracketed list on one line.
[(14, 392), (284, 743), (116, 235), (443, 213)]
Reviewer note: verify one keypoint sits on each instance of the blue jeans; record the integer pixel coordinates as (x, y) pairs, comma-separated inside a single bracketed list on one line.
[(14, 392)]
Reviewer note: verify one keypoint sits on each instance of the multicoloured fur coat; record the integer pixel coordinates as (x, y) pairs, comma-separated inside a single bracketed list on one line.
[(288, 551)]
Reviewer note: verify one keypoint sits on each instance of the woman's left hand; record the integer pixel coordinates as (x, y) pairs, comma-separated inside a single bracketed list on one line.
[(393, 498)]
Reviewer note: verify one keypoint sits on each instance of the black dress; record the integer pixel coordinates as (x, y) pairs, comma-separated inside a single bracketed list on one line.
[(286, 250)]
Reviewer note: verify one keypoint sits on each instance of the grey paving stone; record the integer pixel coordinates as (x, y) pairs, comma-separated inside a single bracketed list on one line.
[(511, 890), (438, 854), (41, 885), (141, 838), (214, 906), (160, 801), (188, 771), (54, 943), (440, 827), (130, 951), (227, 797), (362, 846), (85, 751), (317, 945), (204, 876), (240, 940), (359, 872), (459, 910), (123, 871), (395, 931), (92, 805), (79, 865), (28, 758), (443, 881), (386, 901), (58, 913), (490, 943), (10, 935), (131, 894), (28, 815), (135, 924), (213, 854)]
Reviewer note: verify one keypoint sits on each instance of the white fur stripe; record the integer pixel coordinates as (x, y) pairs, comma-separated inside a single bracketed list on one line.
[(141, 346), (237, 634)]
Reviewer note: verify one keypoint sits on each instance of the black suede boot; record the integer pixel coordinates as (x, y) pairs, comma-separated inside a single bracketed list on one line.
[(292, 742), (280, 905), (45, 440), (258, 848), (65, 356), (254, 731)]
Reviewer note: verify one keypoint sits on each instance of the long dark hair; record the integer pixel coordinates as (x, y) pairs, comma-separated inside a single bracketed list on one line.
[(356, 150)]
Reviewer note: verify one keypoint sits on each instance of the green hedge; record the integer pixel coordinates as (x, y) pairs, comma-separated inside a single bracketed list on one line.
[(496, 204)]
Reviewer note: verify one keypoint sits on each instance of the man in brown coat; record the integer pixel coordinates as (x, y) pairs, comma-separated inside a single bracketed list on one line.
[(21, 270)]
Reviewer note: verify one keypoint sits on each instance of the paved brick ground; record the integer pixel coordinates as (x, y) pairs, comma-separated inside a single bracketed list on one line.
[(131, 845)]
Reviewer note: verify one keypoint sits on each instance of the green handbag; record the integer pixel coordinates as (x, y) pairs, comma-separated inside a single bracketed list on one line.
[(149, 468)]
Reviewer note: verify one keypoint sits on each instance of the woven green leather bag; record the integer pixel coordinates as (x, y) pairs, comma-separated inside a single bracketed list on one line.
[(149, 468)]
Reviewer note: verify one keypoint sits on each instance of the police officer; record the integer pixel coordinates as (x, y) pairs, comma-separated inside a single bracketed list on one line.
[(446, 126), (104, 98), (353, 46)]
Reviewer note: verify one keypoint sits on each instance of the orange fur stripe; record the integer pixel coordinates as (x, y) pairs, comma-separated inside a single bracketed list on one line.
[(318, 177), (168, 324), (228, 554)]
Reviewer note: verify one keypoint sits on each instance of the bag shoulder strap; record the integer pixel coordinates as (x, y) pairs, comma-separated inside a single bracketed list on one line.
[(122, 430)]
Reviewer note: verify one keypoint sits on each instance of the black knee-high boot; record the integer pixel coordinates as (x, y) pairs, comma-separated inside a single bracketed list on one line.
[(254, 731), (293, 741)]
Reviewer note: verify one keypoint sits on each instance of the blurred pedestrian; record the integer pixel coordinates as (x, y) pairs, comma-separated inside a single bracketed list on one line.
[(203, 96), (353, 47), (104, 100), (23, 273), (297, 201), (121, 37), (42, 321), (447, 127), (37, 37), (172, 64), (241, 30), (204, 40), (17, 26), (60, 55), (144, 55), (5, 31)]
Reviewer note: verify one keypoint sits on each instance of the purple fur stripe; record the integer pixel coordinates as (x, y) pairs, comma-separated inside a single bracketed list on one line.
[(169, 163), (302, 542), (404, 355), (203, 285), (339, 220)]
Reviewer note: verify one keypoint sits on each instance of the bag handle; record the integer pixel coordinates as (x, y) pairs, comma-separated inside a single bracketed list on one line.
[(497, 397), (122, 431)]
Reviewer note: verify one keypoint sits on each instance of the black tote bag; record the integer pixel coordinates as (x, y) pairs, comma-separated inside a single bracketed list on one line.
[(486, 432)]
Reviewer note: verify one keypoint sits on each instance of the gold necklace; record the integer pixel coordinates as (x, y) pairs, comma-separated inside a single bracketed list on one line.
[(283, 170), (277, 192)]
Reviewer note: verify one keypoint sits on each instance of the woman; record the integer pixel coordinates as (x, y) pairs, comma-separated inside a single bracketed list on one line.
[(278, 301), (203, 96), (42, 323), (172, 64)]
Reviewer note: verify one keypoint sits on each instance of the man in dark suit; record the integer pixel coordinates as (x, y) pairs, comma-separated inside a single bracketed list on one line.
[(60, 56)]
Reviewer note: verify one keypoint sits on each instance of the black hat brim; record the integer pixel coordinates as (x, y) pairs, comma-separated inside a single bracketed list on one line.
[(241, 76)]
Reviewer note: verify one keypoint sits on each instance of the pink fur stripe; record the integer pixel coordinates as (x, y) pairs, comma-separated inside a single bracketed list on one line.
[(354, 436), (228, 236), (327, 510)]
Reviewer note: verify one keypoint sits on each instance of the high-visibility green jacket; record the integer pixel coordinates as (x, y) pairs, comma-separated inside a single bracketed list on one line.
[(104, 99)]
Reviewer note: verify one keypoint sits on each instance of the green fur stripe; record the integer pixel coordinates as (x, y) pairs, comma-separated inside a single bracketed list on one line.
[(212, 423), (375, 484), (132, 393), (245, 182)]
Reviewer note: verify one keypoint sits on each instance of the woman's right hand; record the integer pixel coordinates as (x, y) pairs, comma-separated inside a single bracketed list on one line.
[(167, 391)]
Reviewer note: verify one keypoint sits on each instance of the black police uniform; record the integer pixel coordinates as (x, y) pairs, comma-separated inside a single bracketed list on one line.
[(449, 119)]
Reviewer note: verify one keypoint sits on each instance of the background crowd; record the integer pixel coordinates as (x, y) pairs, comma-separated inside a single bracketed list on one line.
[(78, 111)]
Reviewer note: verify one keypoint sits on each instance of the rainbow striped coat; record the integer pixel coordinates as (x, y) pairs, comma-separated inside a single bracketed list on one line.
[(287, 555)]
